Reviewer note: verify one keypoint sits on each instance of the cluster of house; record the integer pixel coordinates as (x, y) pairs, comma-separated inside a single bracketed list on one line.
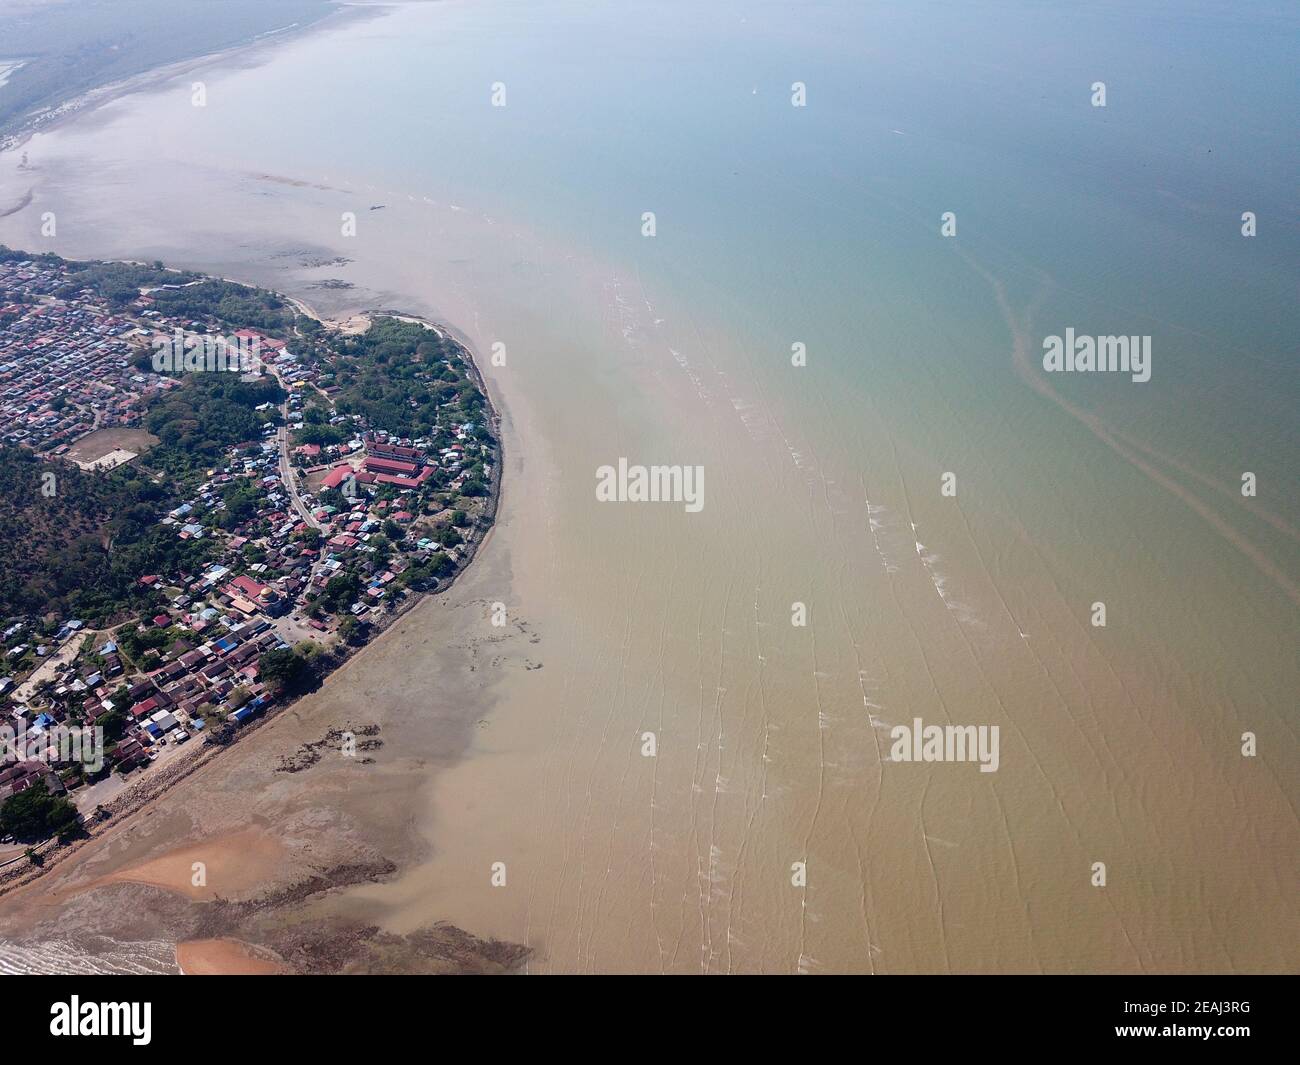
[(254, 596), (266, 565), (220, 671), (178, 689), (65, 363), (16, 776), (293, 561)]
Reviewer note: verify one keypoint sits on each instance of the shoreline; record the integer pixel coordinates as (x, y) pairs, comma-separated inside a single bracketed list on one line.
[(140, 795), (224, 957), (51, 117)]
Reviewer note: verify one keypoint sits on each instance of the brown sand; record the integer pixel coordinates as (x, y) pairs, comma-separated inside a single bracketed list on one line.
[(224, 957), (238, 863)]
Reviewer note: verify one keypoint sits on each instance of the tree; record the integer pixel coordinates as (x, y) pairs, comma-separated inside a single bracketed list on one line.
[(350, 629), (307, 651), (280, 669), (340, 591), (113, 723), (34, 814), (323, 435)]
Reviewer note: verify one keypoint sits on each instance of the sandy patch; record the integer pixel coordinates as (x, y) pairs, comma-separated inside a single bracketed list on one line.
[(356, 324), (236, 864), (225, 957), (50, 665), (117, 457)]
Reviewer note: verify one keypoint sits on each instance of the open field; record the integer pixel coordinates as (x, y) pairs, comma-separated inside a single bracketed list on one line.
[(109, 448)]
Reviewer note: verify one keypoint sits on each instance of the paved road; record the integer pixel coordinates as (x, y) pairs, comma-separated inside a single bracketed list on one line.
[(87, 798), (286, 470)]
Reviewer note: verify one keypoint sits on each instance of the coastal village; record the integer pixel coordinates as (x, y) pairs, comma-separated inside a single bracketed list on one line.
[(294, 545), (65, 366)]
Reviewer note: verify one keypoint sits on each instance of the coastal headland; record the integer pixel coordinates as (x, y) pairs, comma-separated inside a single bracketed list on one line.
[(402, 487)]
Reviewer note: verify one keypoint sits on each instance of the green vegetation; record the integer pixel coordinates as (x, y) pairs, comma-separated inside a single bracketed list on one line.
[(206, 415), (406, 378), (320, 434), (119, 283), (285, 671), (351, 630), (340, 592), (80, 551), (137, 642), (426, 574), (241, 502), (34, 814), (235, 306), (114, 725)]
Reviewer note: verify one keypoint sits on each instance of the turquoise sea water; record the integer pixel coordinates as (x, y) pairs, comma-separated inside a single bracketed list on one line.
[(821, 223)]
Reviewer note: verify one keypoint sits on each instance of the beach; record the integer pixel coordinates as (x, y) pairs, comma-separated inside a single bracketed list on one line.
[(512, 796), (222, 957), (270, 843)]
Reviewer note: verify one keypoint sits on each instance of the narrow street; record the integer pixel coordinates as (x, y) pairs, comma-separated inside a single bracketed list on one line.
[(286, 470)]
